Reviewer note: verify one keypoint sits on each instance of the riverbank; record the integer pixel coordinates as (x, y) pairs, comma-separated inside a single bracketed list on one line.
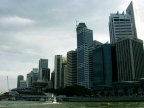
[(103, 99), (34, 104)]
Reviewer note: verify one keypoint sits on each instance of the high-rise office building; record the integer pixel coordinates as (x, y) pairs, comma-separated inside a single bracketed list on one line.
[(130, 59), (122, 25), (104, 65), (34, 74), (58, 71), (19, 78), (43, 68), (84, 44), (45, 74), (71, 68), (43, 63), (91, 76), (32, 77)]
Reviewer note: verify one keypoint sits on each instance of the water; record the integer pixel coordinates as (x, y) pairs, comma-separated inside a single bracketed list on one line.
[(30, 104)]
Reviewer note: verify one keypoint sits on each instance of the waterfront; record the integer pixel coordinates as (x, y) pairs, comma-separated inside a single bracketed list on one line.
[(31, 104)]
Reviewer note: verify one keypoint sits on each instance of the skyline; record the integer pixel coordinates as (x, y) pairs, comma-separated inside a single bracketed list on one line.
[(30, 30)]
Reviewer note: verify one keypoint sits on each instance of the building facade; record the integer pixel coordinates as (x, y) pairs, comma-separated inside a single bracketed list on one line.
[(23, 84), (122, 25), (71, 68), (104, 65), (43, 63), (130, 59), (32, 77), (84, 44), (44, 70), (58, 71), (45, 74), (19, 78)]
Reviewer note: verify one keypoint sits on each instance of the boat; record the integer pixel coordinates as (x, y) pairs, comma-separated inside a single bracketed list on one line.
[(51, 101), (54, 100)]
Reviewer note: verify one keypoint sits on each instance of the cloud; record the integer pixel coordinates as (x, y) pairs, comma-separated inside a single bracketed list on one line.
[(15, 21)]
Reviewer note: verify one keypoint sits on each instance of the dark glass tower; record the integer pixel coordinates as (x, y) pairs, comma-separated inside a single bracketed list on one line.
[(104, 65)]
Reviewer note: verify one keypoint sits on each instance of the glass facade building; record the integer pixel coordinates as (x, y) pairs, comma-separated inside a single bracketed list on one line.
[(104, 65), (84, 44)]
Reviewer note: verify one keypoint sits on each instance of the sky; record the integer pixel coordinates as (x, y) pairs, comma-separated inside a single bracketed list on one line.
[(34, 29)]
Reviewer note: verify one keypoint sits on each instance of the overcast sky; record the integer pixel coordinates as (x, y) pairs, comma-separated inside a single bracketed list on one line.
[(34, 29)]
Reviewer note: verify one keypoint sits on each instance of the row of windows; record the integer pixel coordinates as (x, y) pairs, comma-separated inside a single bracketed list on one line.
[(122, 20), (122, 25)]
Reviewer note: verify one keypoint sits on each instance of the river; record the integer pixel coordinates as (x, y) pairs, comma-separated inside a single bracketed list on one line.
[(31, 104)]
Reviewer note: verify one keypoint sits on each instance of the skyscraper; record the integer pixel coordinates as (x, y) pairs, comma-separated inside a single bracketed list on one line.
[(45, 74), (91, 53), (43, 63), (71, 68), (43, 67), (130, 59), (104, 64), (58, 71), (34, 74), (122, 25), (19, 78), (84, 44), (32, 77)]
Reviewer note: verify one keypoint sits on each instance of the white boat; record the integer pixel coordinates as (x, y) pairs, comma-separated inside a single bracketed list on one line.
[(51, 101), (54, 100)]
